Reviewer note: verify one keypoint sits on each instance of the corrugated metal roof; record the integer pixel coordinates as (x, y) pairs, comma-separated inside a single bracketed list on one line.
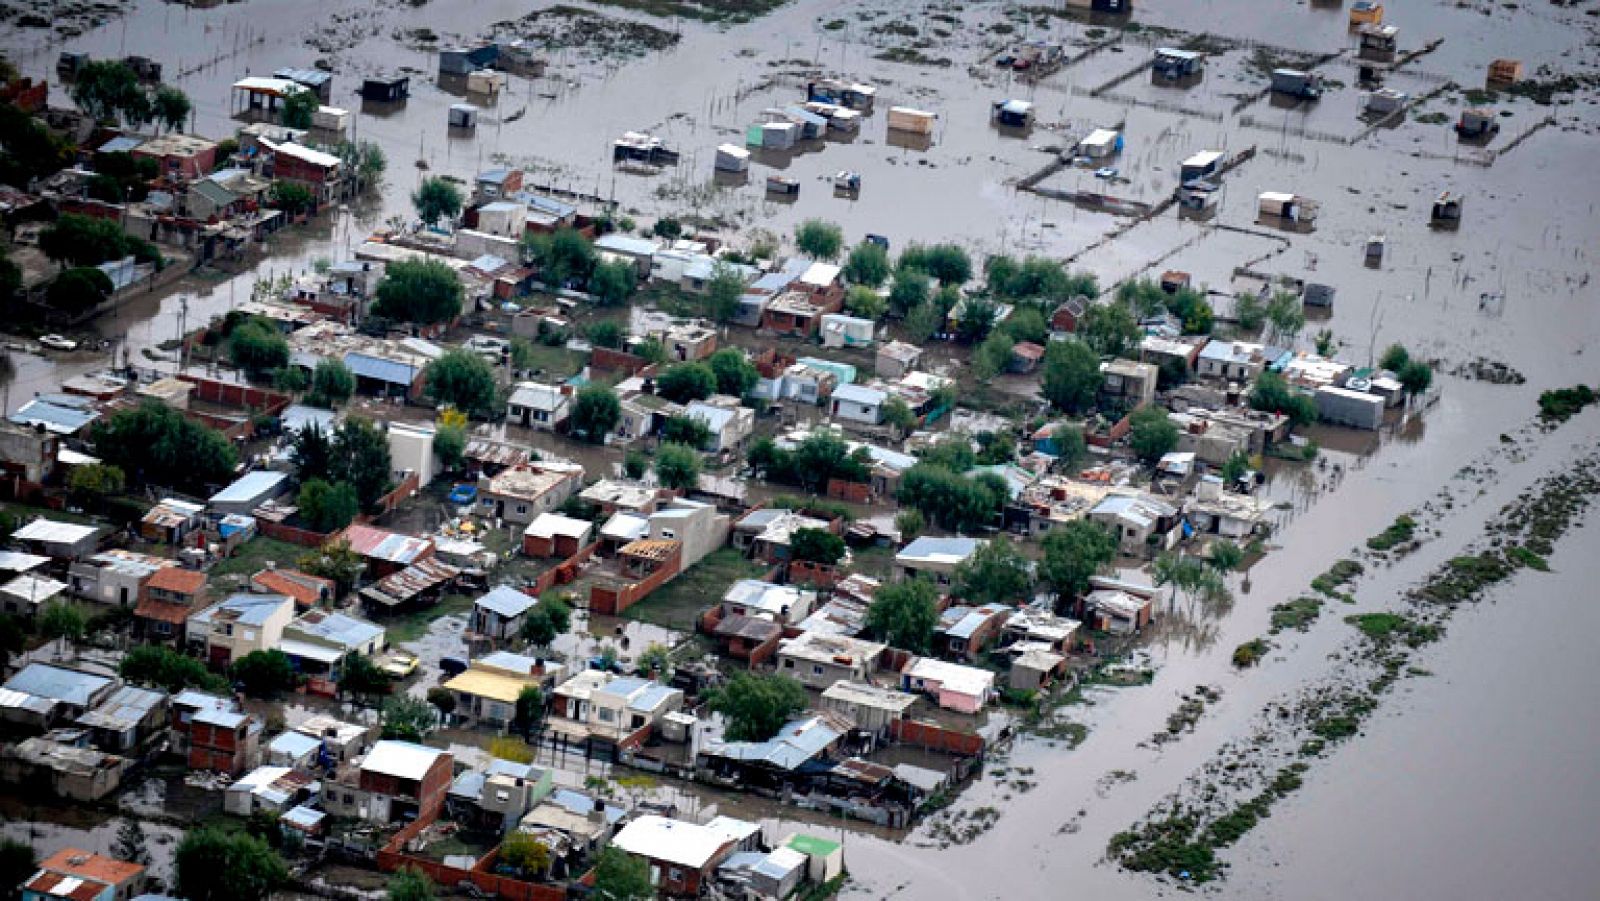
[(401, 759), (250, 487), (62, 419), (506, 601), (58, 683), (386, 371)]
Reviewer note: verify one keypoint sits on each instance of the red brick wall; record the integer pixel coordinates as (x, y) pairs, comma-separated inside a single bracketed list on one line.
[(614, 600), (290, 534), (936, 737), (230, 394), (608, 359), (855, 492)]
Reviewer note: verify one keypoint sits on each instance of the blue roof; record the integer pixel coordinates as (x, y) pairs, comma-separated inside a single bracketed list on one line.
[(309, 77), (56, 417), (548, 205), (120, 144), (469, 784), (639, 247), (521, 663), (339, 628), (796, 743), (250, 486), (581, 804), (57, 683), (506, 601), (494, 176), (252, 609), (860, 394), (294, 744), (930, 546), (378, 369)]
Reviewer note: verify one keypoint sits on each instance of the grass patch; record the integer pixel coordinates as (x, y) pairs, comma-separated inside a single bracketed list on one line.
[(1562, 404), (679, 603), (1251, 652), (911, 56), (1383, 628), (1398, 533), (1524, 557), (1464, 577), (22, 514), (1337, 576), (413, 625), (1434, 118), (557, 362), (703, 10), (252, 557), (1297, 614)]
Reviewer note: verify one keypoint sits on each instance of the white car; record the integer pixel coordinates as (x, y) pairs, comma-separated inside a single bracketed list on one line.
[(1106, 172), (57, 342)]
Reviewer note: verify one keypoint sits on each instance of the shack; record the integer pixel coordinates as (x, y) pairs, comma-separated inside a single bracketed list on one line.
[(1101, 143), (248, 492), (1378, 40), (915, 121), (1174, 64), (386, 90), (1202, 165), (463, 115), (1477, 122), (1281, 205), (1384, 101), (1295, 83), (638, 147), (1356, 409), (314, 80), (1013, 113), (466, 60), (1446, 210), (732, 158), (1366, 12)]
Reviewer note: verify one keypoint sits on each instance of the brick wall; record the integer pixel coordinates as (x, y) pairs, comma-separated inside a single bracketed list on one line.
[(935, 737), (855, 492), (614, 600)]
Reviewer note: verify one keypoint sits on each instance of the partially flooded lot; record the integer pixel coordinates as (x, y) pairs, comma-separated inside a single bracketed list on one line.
[(1512, 286)]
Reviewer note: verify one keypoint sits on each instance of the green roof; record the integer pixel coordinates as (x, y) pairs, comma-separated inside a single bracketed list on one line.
[(812, 846)]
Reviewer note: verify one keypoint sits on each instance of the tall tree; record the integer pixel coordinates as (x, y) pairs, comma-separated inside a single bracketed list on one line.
[(687, 381), (619, 876), (132, 845), (735, 374), (436, 199), (156, 444), (299, 109), (818, 239), (612, 282), (996, 573), (678, 466), (1071, 376), (1151, 433), (332, 382), (867, 265), (421, 291), (171, 107), (407, 719), (756, 706), (264, 674), (1074, 552), (464, 380), (723, 291), (361, 458), (257, 347), (905, 613), (212, 865), (312, 453), (63, 623), (595, 412), (1109, 329), (816, 546), (327, 508)]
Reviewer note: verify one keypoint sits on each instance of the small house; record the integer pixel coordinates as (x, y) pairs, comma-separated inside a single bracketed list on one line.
[(934, 557), (538, 406), (319, 640), (58, 540), (681, 855), (872, 708), (1286, 206), (818, 661), (270, 788), (1115, 611), (911, 121), (1173, 64), (1355, 409), (1201, 165), (964, 689), (1378, 41), (316, 81), (840, 330), (732, 158), (396, 781), (1384, 101), (859, 404), (1446, 212), (1102, 143), (1506, 71), (499, 615), (248, 492), (729, 422), (462, 115), (74, 875), (1366, 12), (554, 535), (386, 90), (1142, 524), (1013, 113), (896, 358), (1477, 122)]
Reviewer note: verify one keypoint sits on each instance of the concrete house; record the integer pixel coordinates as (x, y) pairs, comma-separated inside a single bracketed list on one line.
[(486, 693), (396, 781), (536, 406), (934, 558), (554, 535), (59, 540), (895, 359), (858, 403), (75, 875), (67, 771), (626, 706), (521, 493), (818, 661), (1234, 361), (240, 625), (499, 615), (783, 604), (681, 855), (214, 733), (964, 632), (965, 689), (1128, 384), (765, 533), (127, 720), (1143, 525), (318, 640), (870, 707), (699, 527), (170, 595), (730, 422), (115, 577)]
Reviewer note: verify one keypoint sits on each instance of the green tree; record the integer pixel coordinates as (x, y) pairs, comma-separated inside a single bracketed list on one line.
[(132, 845), (678, 466), (299, 109), (953, 452), (328, 508), (13, 635), (335, 560), (361, 458), (756, 706), (443, 700), (1325, 342), (525, 853), (312, 453), (291, 380), (450, 445), (94, 482), (816, 546), (18, 862), (358, 675), (156, 444), (904, 614), (263, 674), (1415, 377), (635, 465), (1287, 315), (1395, 357), (426, 292), (1069, 445), (818, 239), (1151, 433), (655, 662), (108, 90), (1109, 329), (1250, 312), (605, 334), (1071, 376), (464, 380), (62, 623), (953, 500), (1234, 468), (650, 350), (910, 523), (332, 382), (996, 573), (735, 374), (369, 162), (213, 865), (547, 621), (612, 283), (1273, 394), (687, 381), (292, 197), (1027, 324), (406, 718), (411, 884), (867, 265), (723, 291), (667, 228), (79, 290), (83, 241), (865, 302), (1074, 552), (562, 258), (923, 322), (898, 414), (1224, 556), (978, 317), (687, 431), (909, 292), (257, 347), (619, 876), (529, 710), (167, 669), (595, 413), (948, 263), (992, 357)]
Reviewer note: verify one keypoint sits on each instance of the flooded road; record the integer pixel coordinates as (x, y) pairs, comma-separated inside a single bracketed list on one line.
[(1483, 764)]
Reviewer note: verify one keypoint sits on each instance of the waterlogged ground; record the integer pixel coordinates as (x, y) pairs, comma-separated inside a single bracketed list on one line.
[(1469, 783)]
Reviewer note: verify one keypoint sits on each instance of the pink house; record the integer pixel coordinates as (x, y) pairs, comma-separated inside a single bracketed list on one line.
[(964, 689)]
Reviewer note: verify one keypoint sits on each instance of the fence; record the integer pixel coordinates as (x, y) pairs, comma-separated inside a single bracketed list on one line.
[(565, 572), (480, 877), (613, 600), (935, 737), (854, 492), (290, 534), (229, 394)]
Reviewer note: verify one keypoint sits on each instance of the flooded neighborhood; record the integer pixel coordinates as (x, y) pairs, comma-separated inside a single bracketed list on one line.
[(747, 449)]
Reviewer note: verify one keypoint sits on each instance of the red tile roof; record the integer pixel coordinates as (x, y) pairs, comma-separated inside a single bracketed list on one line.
[(162, 611), (305, 588), (178, 580), (80, 863), (56, 885)]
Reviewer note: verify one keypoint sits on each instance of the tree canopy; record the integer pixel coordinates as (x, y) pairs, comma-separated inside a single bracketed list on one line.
[(1109, 329), (904, 614), (1151, 433), (953, 500), (685, 382), (811, 464), (425, 292), (544, 623), (736, 375), (678, 466), (109, 90), (436, 199), (757, 705), (563, 258), (263, 674), (1071, 376), (328, 508), (819, 239), (1072, 553), (213, 865), (84, 241), (867, 265), (463, 379), (595, 412), (612, 282), (332, 382), (157, 444), (407, 719), (411, 884), (723, 291), (299, 109), (816, 546), (78, 290), (1273, 394), (257, 347), (996, 573), (619, 876)]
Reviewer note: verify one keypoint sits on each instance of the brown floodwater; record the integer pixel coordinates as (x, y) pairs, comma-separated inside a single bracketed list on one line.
[(1475, 783)]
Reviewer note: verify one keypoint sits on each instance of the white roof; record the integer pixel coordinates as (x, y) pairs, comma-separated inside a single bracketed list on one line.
[(1277, 196), (674, 841), (734, 151), (33, 589), (860, 394), (400, 759), (282, 86), (314, 157), (820, 274), (295, 744), (1101, 136), (51, 531), (967, 680), (551, 524), (16, 562), (1203, 158)]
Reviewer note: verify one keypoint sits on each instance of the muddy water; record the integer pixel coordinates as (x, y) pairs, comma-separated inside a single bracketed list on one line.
[(1528, 235)]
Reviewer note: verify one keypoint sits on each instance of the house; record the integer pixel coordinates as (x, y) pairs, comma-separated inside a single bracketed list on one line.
[(783, 604), (341, 741), (1118, 612), (785, 762), (696, 526), (1126, 384), (499, 615), (270, 788), (27, 594), (487, 691), (748, 638), (1035, 626), (28, 456), (1355, 409), (1144, 526), (799, 313), (806, 383), (60, 414), (1034, 667), (965, 689), (396, 781), (681, 855), (1026, 357), (59, 540), (1161, 351), (935, 558), (295, 750), (618, 495), (521, 493), (250, 491), (554, 535), (180, 156), (65, 770), (818, 661), (321, 173), (638, 251), (629, 709), (240, 625), (501, 795), (40, 695), (214, 733), (385, 552), (765, 533), (126, 721), (170, 595), (81, 876), (872, 708), (895, 359), (730, 422), (857, 403), (536, 406), (1235, 361), (306, 589), (115, 577), (963, 632), (580, 821), (171, 520), (839, 330), (318, 640)]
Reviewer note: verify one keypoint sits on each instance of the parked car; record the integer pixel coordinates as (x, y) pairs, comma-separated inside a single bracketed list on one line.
[(452, 666), (1106, 172), (57, 342), (399, 664)]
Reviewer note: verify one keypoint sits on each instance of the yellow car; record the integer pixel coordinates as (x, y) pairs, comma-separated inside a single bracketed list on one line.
[(399, 664)]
